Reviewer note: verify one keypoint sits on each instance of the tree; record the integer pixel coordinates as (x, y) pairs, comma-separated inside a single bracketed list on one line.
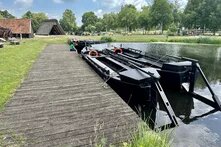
[(99, 26), (191, 14), (161, 14), (90, 28), (68, 21), (144, 18), (6, 14), (210, 14), (28, 15), (177, 13), (37, 19), (110, 21), (1, 17), (128, 17), (204, 14), (89, 18)]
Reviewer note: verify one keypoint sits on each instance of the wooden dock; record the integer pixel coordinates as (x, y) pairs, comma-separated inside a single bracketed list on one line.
[(63, 102)]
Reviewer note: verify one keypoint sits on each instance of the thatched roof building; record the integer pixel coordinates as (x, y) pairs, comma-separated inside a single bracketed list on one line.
[(50, 27), (18, 27)]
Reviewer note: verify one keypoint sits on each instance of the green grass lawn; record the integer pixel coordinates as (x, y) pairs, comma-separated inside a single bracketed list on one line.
[(16, 61), (158, 38)]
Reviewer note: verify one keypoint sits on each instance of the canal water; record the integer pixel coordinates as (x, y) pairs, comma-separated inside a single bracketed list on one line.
[(200, 125)]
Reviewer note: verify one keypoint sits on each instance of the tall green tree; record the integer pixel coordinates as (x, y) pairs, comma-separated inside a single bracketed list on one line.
[(68, 21), (127, 17), (90, 28), (161, 14), (6, 14), (28, 15), (1, 17), (99, 26), (177, 13), (191, 14), (110, 21), (144, 18), (204, 14), (210, 14), (89, 18), (37, 19)]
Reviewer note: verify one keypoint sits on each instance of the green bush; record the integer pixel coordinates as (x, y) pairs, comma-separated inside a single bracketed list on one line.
[(172, 31), (107, 39), (203, 40), (69, 41)]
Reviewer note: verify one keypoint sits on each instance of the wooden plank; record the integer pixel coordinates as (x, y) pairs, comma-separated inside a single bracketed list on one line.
[(64, 102)]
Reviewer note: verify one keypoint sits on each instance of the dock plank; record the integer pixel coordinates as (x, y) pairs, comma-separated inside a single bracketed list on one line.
[(64, 102)]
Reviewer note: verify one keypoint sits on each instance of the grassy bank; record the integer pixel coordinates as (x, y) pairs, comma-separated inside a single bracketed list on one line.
[(145, 137), (15, 62), (159, 38)]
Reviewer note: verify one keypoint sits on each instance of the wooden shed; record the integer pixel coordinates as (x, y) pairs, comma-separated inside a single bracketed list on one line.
[(50, 27), (19, 27)]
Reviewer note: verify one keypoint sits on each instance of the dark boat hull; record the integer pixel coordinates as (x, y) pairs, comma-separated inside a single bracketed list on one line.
[(139, 97), (173, 72)]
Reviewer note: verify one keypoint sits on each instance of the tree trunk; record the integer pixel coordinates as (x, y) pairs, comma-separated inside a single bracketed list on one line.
[(161, 28), (214, 32)]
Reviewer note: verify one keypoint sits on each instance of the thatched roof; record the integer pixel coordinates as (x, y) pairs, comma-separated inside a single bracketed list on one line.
[(50, 27), (17, 26)]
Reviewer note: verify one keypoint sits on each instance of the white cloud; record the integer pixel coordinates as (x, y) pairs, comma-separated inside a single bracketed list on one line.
[(53, 16), (62, 1), (94, 0), (137, 3), (24, 3), (99, 13), (58, 1), (118, 3)]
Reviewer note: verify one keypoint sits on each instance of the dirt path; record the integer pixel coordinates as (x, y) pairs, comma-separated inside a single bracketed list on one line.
[(63, 102)]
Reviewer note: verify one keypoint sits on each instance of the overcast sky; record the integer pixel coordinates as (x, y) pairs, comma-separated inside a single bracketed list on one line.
[(55, 8)]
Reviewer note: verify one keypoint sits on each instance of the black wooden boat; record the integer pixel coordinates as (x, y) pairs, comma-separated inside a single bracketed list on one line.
[(135, 76), (80, 44), (139, 87), (179, 73)]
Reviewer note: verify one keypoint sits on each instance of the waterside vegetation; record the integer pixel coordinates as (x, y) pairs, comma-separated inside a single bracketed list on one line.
[(155, 38)]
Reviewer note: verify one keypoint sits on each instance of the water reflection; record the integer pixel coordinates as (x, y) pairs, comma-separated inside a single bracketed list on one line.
[(218, 54), (201, 124), (194, 136), (209, 56)]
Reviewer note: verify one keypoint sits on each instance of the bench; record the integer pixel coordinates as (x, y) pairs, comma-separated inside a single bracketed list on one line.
[(14, 42), (1, 45)]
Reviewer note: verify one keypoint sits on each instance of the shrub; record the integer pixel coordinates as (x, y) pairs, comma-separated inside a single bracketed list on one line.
[(172, 31), (107, 39), (69, 41), (145, 137)]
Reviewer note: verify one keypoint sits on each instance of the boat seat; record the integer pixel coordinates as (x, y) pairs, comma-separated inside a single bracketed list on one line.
[(118, 63), (136, 76), (132, 55), (177, 66)]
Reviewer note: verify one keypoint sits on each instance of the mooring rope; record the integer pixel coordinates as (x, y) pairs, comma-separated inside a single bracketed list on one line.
[(158, 60)]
